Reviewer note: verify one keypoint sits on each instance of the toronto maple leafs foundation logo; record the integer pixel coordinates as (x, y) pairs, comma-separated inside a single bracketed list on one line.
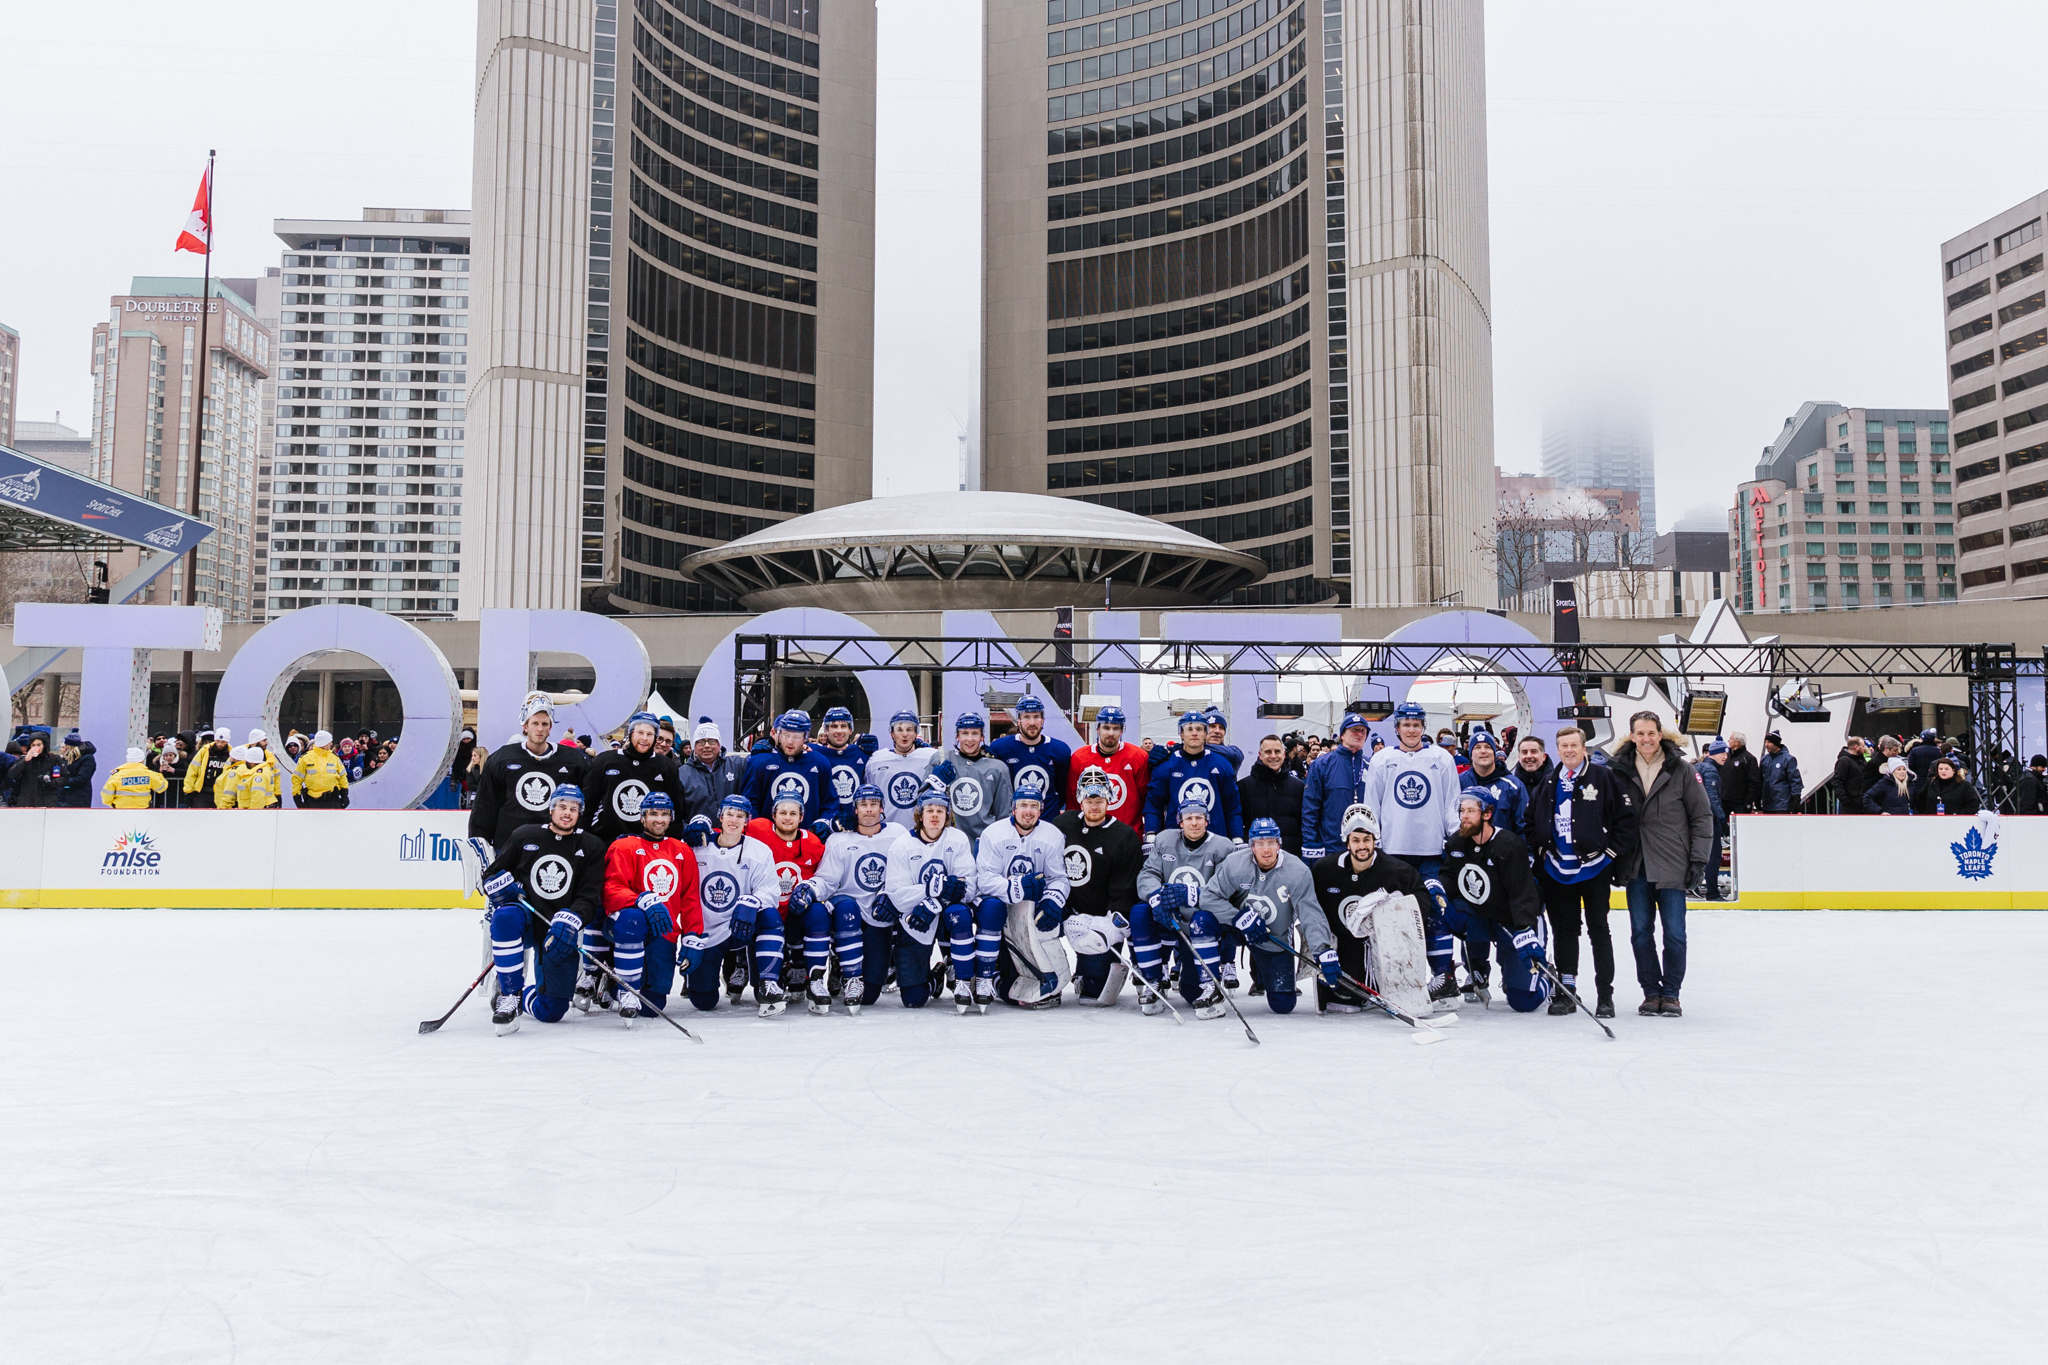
[(1973, 855)]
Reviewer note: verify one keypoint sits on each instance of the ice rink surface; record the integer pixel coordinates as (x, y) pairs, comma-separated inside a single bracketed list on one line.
[(236, 1147)]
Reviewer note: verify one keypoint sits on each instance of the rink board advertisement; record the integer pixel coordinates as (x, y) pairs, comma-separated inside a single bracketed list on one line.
[(1885, 862), (241, 859)]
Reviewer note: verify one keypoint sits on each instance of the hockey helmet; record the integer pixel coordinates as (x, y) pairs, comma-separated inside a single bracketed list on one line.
[(1481, 797), (1029, 790), (1029, 705), (838, 713), (934, 795), (647, 718), (786, 799), (866, 791), (656, 801), (1110, 715), (1265, 827), (735, 801), (568, 791), (1409, 710), (969, 720), (1192, 805), (1188, 718), (903, 718), (797, 721), (1360, 817), (1094, 782), (536, 703)]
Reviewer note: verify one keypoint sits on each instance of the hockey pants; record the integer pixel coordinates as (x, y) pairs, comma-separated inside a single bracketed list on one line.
[(705, 984), (1526, 989), (882, 945), (1439, 937)]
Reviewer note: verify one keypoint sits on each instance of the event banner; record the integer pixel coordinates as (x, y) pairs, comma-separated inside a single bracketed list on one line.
[(235, 859)]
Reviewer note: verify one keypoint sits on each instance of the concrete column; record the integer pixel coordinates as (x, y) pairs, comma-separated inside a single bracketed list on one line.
[(53, 699), (925, 704), (323, 710)]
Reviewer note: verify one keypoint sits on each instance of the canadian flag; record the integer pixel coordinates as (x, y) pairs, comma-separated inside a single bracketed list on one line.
[(198, 233)]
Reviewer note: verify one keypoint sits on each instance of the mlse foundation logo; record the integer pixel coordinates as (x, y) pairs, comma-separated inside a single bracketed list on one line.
[(425, 847), (134, 854)]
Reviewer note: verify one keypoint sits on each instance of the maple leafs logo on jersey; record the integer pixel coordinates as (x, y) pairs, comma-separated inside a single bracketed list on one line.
[(1973, 855), (1411, 789), (551, 876), (903, 788), (535, 791)]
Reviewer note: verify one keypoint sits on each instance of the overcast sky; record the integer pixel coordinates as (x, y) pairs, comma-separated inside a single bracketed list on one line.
[(1718, 211)]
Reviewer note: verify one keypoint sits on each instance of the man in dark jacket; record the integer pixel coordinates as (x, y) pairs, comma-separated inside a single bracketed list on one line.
[(2030, 793), (1269, 790), (1582, 829), (1335, 783), (1741, 779), (708, 775), (1709, 770), (1782, 786), (1852, 777), (1920, 758), (1674, 831)]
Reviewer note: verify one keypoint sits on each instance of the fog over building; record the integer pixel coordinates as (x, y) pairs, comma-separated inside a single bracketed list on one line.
[(1594, 445)]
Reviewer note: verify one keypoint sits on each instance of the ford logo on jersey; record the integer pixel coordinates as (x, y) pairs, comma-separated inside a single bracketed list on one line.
[(1411, 789), (720, 891)]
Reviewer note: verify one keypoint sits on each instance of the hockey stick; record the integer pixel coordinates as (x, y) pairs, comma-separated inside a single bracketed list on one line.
[(1215, 981), (1425, 1031), (595, 965), (1557, 984), (429, 1025), (1158, 988)]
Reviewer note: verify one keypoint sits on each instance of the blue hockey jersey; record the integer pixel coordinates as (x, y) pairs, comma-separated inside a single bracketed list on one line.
[(1207, 778)]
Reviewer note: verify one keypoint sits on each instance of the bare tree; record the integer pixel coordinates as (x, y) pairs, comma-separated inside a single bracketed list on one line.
[(40, 576), (1512, 541)]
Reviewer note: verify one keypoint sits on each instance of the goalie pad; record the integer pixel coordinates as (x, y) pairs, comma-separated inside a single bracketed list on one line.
[(1043, 968), (1111, 987), (1397, 953), (1094, 933)]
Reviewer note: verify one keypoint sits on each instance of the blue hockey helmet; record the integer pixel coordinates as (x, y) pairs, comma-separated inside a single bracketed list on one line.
[(799, 721), (866, 791), (643, 718), (1110, 715), (1409, 710), (1265, 827), (1352, 721), (934, 794), (838, 713), (735, 801), (969, 720), (1194, 804), (656, 801), (903, 718), (1484, 798), (1028, 790), (1188, 718), (1029, 704), (568, 791)]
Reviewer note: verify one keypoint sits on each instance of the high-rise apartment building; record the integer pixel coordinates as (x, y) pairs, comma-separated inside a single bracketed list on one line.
[(708, 166), (1850, 507), (362, 499), (144, 359), (1997, 324), (10, 365), (1587, 445), (1235, 277)]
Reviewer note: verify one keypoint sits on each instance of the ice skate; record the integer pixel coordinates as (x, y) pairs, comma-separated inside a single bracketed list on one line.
[(984, 992), (602, 997), (1443, 991), (850, 990), (586, 991), (629, 1006), (963, 995), (1209, 1004), (1477, 990), (505, 1013), (736, 982), (1230, 976), (1149, 1001), (818, 991), (774, 1000)]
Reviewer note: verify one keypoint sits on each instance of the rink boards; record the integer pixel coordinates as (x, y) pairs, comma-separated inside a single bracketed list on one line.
[(369, 859), (1890, 862)]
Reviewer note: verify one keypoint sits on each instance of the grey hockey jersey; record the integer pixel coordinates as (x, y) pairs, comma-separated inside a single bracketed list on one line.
[(1284, 896), (979, 791), (1172, 860)]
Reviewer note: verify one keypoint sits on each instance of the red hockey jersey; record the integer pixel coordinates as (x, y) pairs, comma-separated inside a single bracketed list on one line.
[(636, 864), (795, 859), (1129, 774)]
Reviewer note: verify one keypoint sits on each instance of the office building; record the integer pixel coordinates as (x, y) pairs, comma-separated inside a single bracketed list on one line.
[(1194, 309), (1850, 507), (10, 366), (362, 498), (143, 372), (733, 387), (1997, 332), (1591, 446), (54, 443)]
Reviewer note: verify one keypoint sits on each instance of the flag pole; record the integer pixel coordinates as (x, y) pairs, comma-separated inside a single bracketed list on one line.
[(185, 697)]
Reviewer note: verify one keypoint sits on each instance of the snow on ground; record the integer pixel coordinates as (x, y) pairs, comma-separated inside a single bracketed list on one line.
[(224, 1140)]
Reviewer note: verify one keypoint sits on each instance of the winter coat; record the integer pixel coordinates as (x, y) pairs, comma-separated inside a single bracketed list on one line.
[(132, 786), (1851, 780), (1336, 781), (1600, 825), (1265, 794), (1511, 798), (1783, 787), (260, 785), (319, 773), (701, 788), (1956, 798), (1920, 758), (1710, 782), (1741, 782), (1883, 797), (2030, 794), (77, 789), (1674, 824), (34, 783)]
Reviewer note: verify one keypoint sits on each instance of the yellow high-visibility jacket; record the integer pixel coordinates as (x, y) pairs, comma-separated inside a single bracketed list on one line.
[(195, 775), (227, 787), (320, 772), (260, 785), (130, 786)]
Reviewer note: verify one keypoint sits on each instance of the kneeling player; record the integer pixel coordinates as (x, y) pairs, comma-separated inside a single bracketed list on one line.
[(1351, 886), (1175, 872), (737, 892), (1103, 859), (1020, 874), (650, 887), (1260, 892), (844, 897), (796, 853), (544, 889), (1494, 898), (929, 874)]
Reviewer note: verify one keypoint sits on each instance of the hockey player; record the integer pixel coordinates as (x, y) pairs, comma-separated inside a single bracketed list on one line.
[(133, 785), (1510, 797), (791, 767), (1412, 787), (1343, 880), (557, 870), (930, 873), (1192, 771), (1103, 859), (1020, 878), (1031, 754), (1128, 769), (618, 780), (1188, 857), (832, 904), (736, 894), (846, 758), (1259, 891), (794, 850), (517, 785), (977, 782), (650, 886), (1494, 898), (899, 771)]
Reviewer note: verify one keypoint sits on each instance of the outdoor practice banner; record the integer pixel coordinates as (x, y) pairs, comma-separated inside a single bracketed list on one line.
[(1891, 862), (368, 859)]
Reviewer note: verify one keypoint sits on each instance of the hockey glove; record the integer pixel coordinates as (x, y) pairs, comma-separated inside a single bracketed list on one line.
[(884, 910), (1172, 896), (920, 920), (945, 771), (743, 916), (824, 829), (562, 932), (690, 954), (1312, 855), (1048, 916), (1326, 963), (1164, 914), (1237, 843), (868, 744), (656, 909), (954, 891), (802, 898), (1252, 925), (698, 831), (503, 888), (1121, 921), (1528, 947)]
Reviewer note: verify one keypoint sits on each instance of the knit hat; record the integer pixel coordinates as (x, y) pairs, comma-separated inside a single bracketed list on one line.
[(135, 755), (1717, 746), (707, 728), (322, 739)]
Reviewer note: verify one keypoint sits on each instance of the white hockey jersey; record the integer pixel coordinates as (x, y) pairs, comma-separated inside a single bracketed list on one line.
[(727, 876), (857, 865), (900, 777), (917, 872), (1415, 796), (1005, 854)]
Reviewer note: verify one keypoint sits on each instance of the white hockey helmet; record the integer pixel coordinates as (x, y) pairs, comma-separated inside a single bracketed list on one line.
[(1360, 817)]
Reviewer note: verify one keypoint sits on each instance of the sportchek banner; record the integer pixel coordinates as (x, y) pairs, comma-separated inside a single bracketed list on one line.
[(235, 859), (1891, 862)]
